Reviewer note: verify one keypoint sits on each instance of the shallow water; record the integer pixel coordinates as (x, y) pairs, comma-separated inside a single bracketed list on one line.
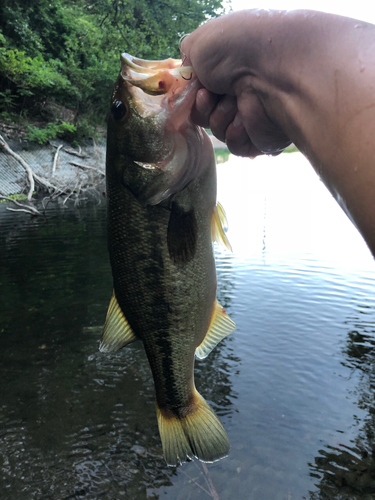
[(294, 385)]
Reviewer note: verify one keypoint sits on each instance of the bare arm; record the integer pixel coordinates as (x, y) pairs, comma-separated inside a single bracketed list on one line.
[(272, 77)]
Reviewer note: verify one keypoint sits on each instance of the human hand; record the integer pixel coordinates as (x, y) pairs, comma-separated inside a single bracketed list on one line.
[(229, 103)]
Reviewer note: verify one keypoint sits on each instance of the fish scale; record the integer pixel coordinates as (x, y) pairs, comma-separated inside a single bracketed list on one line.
[(161, 217)]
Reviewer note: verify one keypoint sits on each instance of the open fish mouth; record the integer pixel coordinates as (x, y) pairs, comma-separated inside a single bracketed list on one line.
[(155, 77), (164, 92)]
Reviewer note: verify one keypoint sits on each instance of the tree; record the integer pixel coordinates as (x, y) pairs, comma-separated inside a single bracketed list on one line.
[(68, 50)]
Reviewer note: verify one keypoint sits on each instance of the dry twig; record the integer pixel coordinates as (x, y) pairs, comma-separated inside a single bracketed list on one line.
[(29, 171), (55, 159), (75, 153), (195, 482), (24, 208), (32, 176), (209, 482), (86, 167)]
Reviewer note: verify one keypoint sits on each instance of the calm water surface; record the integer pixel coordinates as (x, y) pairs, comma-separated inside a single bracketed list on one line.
[(294, 385)]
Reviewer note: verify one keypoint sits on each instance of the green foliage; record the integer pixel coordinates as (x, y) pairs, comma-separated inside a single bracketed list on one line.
[(222, 155), (43, 135), (7, 99), (68, 51), (291, 149), (32, 74), (16, 197), (85, 128)]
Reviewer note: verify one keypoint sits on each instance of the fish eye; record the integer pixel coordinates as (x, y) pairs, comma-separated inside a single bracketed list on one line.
[(118, 110)]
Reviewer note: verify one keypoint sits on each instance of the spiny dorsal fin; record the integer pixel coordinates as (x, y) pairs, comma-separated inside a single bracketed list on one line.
[(219, 224), (117, 332), (221, 326)]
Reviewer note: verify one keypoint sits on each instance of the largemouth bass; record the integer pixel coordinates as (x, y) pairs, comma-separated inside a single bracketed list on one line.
[(162, 217)]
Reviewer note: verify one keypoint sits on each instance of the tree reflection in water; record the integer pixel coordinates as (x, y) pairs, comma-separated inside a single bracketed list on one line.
[(349, 472)]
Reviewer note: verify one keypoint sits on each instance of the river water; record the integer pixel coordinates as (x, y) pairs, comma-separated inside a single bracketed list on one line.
[(293, 385)]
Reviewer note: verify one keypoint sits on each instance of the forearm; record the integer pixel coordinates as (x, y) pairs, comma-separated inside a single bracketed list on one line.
[(305, 76), (323, 98)]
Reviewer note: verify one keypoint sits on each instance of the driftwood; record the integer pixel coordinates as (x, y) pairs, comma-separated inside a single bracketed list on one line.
[(75, 153), (32, 176), (86, 167), (24, 208), (55, 159), (29, 171), (72, 151), (70, 183)]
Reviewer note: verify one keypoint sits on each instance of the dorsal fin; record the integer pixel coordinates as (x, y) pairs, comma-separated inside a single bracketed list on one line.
[(117, 332), (221, 326), (219, 224)]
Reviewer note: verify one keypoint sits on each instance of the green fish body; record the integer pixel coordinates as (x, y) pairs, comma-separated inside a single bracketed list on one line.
[(160, 229)]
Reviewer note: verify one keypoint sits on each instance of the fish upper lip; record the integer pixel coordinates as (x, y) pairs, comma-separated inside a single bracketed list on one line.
[(155, 77)]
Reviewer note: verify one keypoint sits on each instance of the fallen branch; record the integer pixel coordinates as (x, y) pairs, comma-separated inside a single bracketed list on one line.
[(86, 167), (209, 482), (29, 171), (195, 482), (72, 152), (72, 192), (45, 183), (55, 159), (25, 208), (75, 153)]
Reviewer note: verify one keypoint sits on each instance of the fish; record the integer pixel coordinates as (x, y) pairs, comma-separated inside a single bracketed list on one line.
[(162, 218)]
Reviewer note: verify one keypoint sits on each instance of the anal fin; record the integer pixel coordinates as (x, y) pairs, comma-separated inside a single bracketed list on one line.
[(117, 332), (221, 326)]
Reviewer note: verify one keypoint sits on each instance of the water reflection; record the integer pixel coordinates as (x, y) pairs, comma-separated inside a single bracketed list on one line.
[(293, 385), (349, 471), (76, 423)]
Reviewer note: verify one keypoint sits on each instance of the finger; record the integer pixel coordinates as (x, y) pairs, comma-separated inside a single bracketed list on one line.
[(205, 103), (238, 141), (222, 116), (184, 47), (265, 135)]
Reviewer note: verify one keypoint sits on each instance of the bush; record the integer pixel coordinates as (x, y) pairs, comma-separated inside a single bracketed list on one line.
[(53, 130)]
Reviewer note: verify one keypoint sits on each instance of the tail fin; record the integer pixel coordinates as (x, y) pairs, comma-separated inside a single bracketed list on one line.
[(199, 434)]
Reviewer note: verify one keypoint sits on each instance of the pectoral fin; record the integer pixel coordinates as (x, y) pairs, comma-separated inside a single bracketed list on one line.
[(117, 332), (221, 326), (218, 226)]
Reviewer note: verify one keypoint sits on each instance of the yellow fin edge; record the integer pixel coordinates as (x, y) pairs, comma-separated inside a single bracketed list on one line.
[(117, 332), (220, 327), (199, 434), (219, 224)]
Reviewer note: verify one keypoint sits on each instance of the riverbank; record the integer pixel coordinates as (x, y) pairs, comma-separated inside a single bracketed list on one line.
[(58, 167)]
